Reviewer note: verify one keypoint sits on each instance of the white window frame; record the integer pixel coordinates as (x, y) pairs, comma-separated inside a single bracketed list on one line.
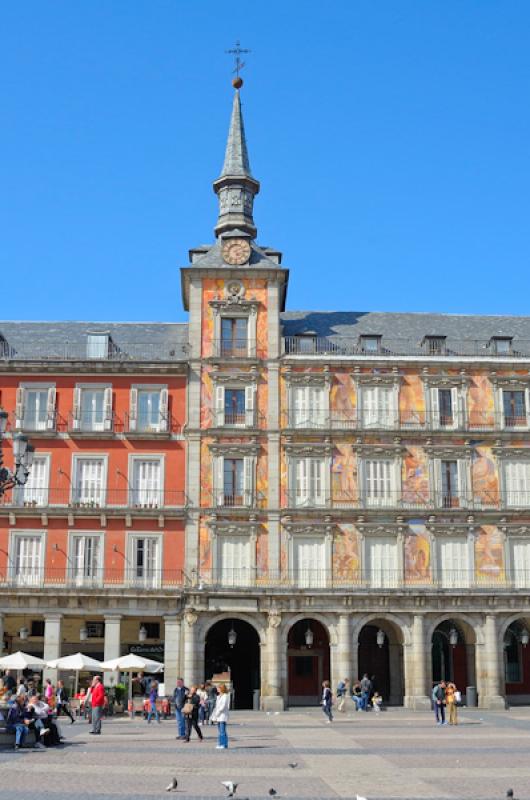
[(136, 458), (459, 579), (520, 578), (365, 412), (37, 579), (507, 493), (250, 390), (395, 481), (147, 582), (233, 312), (432, 403), (249, 477), (97, 346), (20, 492), (305, 468), (163, 423), (307, 413), (48, 425), (463, 480), (247, 576), (76, 457), (106, 424), (381, 578), (500, 404), (82, 580), (322, 578)]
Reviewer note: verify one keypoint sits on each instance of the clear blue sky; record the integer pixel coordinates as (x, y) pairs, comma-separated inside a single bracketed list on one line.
[(391, 140)]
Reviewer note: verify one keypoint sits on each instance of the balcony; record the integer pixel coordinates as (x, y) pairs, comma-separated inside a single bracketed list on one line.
[(45, 424), (381, 420), (148, 426), (410, 500), (77, 351), (50, 500), (95, 579), (237, 349), (343, 346), (91, 423)]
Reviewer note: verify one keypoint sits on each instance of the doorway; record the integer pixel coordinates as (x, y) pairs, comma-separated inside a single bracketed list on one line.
[(233, 649), (308, 660)]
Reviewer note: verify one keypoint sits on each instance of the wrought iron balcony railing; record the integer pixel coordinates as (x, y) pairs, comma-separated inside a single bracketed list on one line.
[(92, 498), (409, 499), (92, 422), (97, 578), (390, 348), (237, 348), (151, 424), (36, 350)]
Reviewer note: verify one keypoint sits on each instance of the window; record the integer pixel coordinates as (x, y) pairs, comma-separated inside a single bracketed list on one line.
[(235, 560), (305, 343), (149, 409), (378, 406), (86, 559), (512, 657), (37, 627), (235, 406), (449, 484), (309, 561), (380, 482), (35, 491), (147, 489), (520, 558), (308, 407), (35, 408), (234, 336), (515, 408), (234, 480), (435, 345), (89, 481), (145, 561), (371, 344), (517, 483), (444, 407), (152, 629), (502, 346), (27, 559), (453, 562), (92, 409), (309, 481), (95, 630), (97, 345), (383, 563)]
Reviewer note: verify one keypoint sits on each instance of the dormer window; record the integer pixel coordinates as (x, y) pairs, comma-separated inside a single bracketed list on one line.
[(435, 345), (501, 345), (4, 347), (97, 345), (306, 343), (371, 344)]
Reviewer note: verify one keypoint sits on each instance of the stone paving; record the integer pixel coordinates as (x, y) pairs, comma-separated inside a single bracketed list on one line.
[(397, 754)]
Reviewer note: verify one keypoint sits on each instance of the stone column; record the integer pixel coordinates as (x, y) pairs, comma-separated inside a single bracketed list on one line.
[(490, 694), (52, 643), (112, 645), (2, 619), (415, 657), (191, 671), (172, 628), (342, 666), (271, 693)]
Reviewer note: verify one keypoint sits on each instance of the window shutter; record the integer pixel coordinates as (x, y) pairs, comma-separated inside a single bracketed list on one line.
[(19, 412), (435, 408), (219, 405), (457, 411), (164, 410), (521, 564), (219, 480), (52, 396), (463, 486), (437, 479), (527, 405), (133, 410), (301, 482), (318, 492), (249, 405), (76, 410), (300, 406), (369, 401), (248, 465), (107, 406), (317, 404)]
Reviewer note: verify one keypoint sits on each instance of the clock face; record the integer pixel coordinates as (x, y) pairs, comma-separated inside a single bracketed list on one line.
[(236, 251)]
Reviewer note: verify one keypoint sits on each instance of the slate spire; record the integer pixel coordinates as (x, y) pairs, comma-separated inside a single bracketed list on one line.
[(236, 188)]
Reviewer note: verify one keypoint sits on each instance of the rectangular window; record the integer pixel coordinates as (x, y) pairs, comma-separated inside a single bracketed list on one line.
[(435, 345), (234, 407), (371, 344), (450, 487), (378, 407), (85, 560), (89, 482), (383, 563), (234, 481), (35, 409), (234, 336), (309, 561), (309, 482), (378, 483), (308, 407), (502, 347), (520, 557), (148, 410), (146, 561), (236, 560), (517, 483), (27, 560), (514, 408), (95, 630), (37, 627), (453, 562), (35, 490), (97, 345), (147, 483), (92, 416)]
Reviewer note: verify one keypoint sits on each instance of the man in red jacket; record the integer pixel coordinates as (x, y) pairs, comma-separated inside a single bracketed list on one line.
[(97, 699)]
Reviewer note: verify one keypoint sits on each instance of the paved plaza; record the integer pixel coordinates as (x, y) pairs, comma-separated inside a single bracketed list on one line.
[(398, 754)]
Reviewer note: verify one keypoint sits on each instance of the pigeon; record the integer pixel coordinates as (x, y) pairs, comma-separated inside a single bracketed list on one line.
[(509, 793), (360, 798), (230, 787), (172, 786), (293, 764), (272, 792)]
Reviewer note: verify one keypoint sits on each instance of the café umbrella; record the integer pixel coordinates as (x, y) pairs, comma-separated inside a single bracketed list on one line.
[(20, 661), (78, 662), (132, 663)]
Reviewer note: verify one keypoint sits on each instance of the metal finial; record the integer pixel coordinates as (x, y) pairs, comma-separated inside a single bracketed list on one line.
[(236, 51)]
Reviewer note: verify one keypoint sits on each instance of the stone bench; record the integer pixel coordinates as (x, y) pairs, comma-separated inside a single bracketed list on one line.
[(7, 738)]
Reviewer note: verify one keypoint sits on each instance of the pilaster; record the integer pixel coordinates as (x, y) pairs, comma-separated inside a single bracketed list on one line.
[(112, 644), (415, 665), (172, 636), (52, 643), (488, 667)]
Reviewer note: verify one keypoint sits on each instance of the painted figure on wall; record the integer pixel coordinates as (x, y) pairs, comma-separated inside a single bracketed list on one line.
[(344, 474), (412, 401), (489, 554), (415, 477), (485, 479), (346, 555), (417, 554)]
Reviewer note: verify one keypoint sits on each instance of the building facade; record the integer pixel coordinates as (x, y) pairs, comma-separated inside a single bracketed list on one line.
[(289, 495)]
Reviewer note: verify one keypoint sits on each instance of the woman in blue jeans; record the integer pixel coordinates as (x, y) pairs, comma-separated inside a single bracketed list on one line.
[(220, 716), (153, 697), (327, 698)]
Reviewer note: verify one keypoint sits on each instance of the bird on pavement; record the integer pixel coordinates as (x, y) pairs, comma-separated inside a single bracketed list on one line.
[(172, 786), (230, 787), (293, 764), (360, 798), (272, 792)]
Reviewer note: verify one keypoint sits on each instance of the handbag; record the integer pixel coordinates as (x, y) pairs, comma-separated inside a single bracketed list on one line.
[(187, 709)]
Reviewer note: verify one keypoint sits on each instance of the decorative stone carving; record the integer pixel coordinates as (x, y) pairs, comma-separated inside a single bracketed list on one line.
[(191, 617)]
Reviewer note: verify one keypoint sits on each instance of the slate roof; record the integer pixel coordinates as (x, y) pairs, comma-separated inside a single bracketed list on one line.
[(236, 155)]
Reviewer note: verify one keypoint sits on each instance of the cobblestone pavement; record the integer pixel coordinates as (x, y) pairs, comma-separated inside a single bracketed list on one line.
[(397, 754)]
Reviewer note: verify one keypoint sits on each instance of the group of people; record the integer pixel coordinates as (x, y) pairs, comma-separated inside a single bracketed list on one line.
[(446, 695), (199, 705), (363, 695)]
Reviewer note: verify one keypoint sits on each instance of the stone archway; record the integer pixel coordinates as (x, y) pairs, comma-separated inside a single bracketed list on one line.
[(380, 656), (453, 653), (308, 661), (232, 654), (515, 644)]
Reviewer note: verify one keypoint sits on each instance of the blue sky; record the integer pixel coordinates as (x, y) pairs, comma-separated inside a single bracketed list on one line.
[(391, 140)]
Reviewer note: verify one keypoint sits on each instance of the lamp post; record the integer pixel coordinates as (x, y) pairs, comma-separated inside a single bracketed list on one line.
[(23, 457), (380, 638), (232, 636), (309, 637)]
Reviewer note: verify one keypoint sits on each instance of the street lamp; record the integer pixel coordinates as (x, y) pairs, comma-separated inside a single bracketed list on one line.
[(83, 633), (23, 633), (232, 636), (309, 637), (525, 637), (380, 638), (23, 453), (142, 633), (453, 637)]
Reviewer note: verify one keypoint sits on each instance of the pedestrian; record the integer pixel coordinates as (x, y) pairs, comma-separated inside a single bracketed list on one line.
[(153, 697), (219, 716), (97, 702), (18, 720), (212, 699), (438, 699), (42, 722), (342, 693), (49, 692), (203, 705), (179, 698), (356, 696), (327, 699), (366, 688), (9, 682), (377, 702), (451, 700), (191, 713), (21, 688), (62, 701)]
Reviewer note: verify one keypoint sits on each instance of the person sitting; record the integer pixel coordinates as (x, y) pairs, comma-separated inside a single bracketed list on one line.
[(42, 722), (356, 695), (18, 720)]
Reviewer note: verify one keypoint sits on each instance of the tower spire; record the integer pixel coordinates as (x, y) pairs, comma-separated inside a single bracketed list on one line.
[(235, 187)]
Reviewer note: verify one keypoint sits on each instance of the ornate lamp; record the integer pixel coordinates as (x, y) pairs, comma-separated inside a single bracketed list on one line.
[(309, 637), (23, 633), (380, 638), (142, 633), (524, 637), (232, 636), (453, 637)]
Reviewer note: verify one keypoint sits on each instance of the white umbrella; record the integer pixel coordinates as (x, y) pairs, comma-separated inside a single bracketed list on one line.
[(133, 663), (20, 661), (78, 662)]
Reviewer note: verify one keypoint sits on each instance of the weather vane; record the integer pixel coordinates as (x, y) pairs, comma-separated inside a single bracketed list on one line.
[(237, 51)]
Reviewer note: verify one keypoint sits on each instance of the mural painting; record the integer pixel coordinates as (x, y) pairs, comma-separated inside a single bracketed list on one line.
[(205, 552), (415, 477), (412, 401), (485, 479), (489, 555), (346, 556), (342, 400), (344, 475), (262, 553), (481, 405), (417, 554)]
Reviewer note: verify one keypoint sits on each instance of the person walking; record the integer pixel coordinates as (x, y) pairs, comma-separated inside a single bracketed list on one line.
[(327, 698), (153, 697), (366, 689), (62, 701), (49, 692), (212, 699), (203, 705), (342, 693), (191, 713), (97, 700), (438, 699), (219, 716), (179, 698), (450, 699)]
